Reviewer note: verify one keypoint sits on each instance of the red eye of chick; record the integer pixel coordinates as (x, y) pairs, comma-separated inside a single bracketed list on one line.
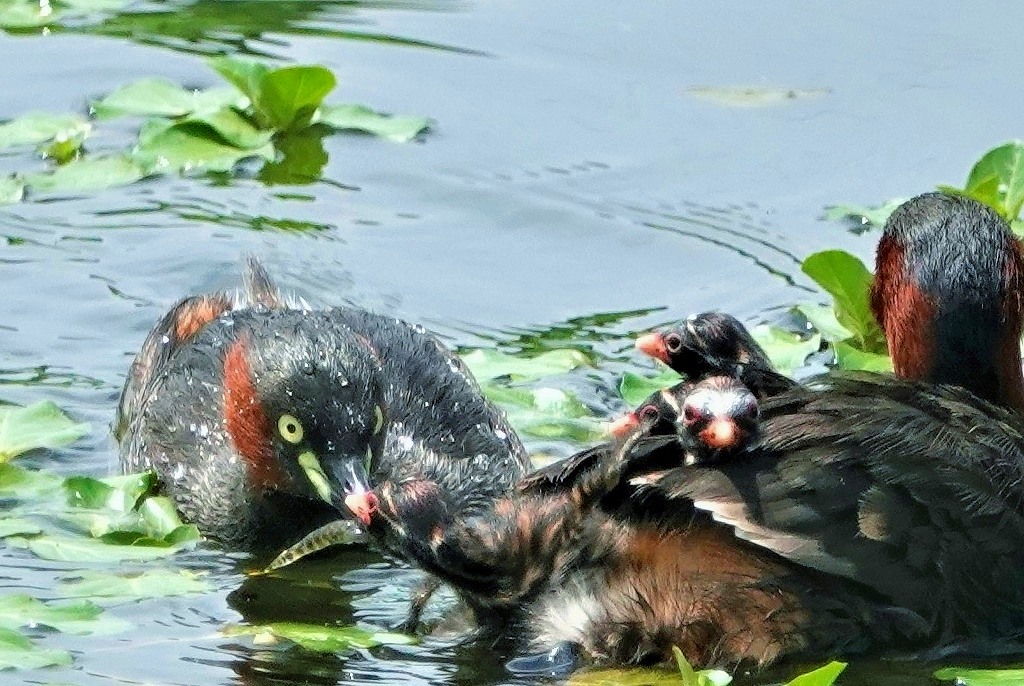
[(648, 412), (691, 413), (673, 342)]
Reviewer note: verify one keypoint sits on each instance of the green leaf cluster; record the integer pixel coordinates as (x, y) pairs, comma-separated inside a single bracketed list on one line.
[(264, 113), (849, 325), (317, 638), (41, 425), (964, 676), (996, 179), (535, 409)]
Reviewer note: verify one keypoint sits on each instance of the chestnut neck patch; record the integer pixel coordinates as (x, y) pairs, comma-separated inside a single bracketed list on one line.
[(245, 420)]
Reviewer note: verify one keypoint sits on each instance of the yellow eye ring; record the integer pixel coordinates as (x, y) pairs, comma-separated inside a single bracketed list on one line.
[(290, 428)]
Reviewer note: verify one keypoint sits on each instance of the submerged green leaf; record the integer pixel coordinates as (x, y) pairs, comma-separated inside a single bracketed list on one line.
[(785, 349), (398, 128), (18, 652), (12, 189), (848, 281), (634, 388), (84, 175), (301, 157), (322, 639), (152, 583), (964, 676), (74, 617), (39, 127), (754, 96), (16, 526), (491, 364), (823, 676), (41, 425)]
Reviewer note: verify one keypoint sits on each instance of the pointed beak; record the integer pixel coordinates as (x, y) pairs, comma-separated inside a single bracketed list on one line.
[(653, 345), (347, 488), (355, 496), (624, 425)]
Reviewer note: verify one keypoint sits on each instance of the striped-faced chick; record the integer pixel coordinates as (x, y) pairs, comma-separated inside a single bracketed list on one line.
[(719, 419), (715, 418)]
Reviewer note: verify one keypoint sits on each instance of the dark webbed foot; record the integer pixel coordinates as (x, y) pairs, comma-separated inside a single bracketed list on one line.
[(420, 597)]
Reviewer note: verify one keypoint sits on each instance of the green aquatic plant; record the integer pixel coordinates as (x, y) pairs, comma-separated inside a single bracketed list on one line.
[(261, 114), (41, 425)]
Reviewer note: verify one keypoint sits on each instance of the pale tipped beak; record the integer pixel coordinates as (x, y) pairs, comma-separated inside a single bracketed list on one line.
[(349, 490), (351, 493), (653, 345)]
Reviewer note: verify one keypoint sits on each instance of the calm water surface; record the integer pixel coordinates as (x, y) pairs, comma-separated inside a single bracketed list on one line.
[(572, 172)]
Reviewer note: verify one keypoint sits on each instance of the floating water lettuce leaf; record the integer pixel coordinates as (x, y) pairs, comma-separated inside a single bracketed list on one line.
[(322, 639), (152, 583), (550, 413), (964, 676), (754, 96), (785, 349), (398, 128), (18, 652), (26, 14), (283, 98), (491, 364), (69, 617), (187, 146), (12, 189), (865, 214), (997, 179), (162, 98), (84, 175), (39, 127), (83, 549), (848, 281), (634, 388), (41, 425), (233, 128), (822, 676), (27, 484), (118, 493), (704, 677), (850, 357), (17, 526)]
